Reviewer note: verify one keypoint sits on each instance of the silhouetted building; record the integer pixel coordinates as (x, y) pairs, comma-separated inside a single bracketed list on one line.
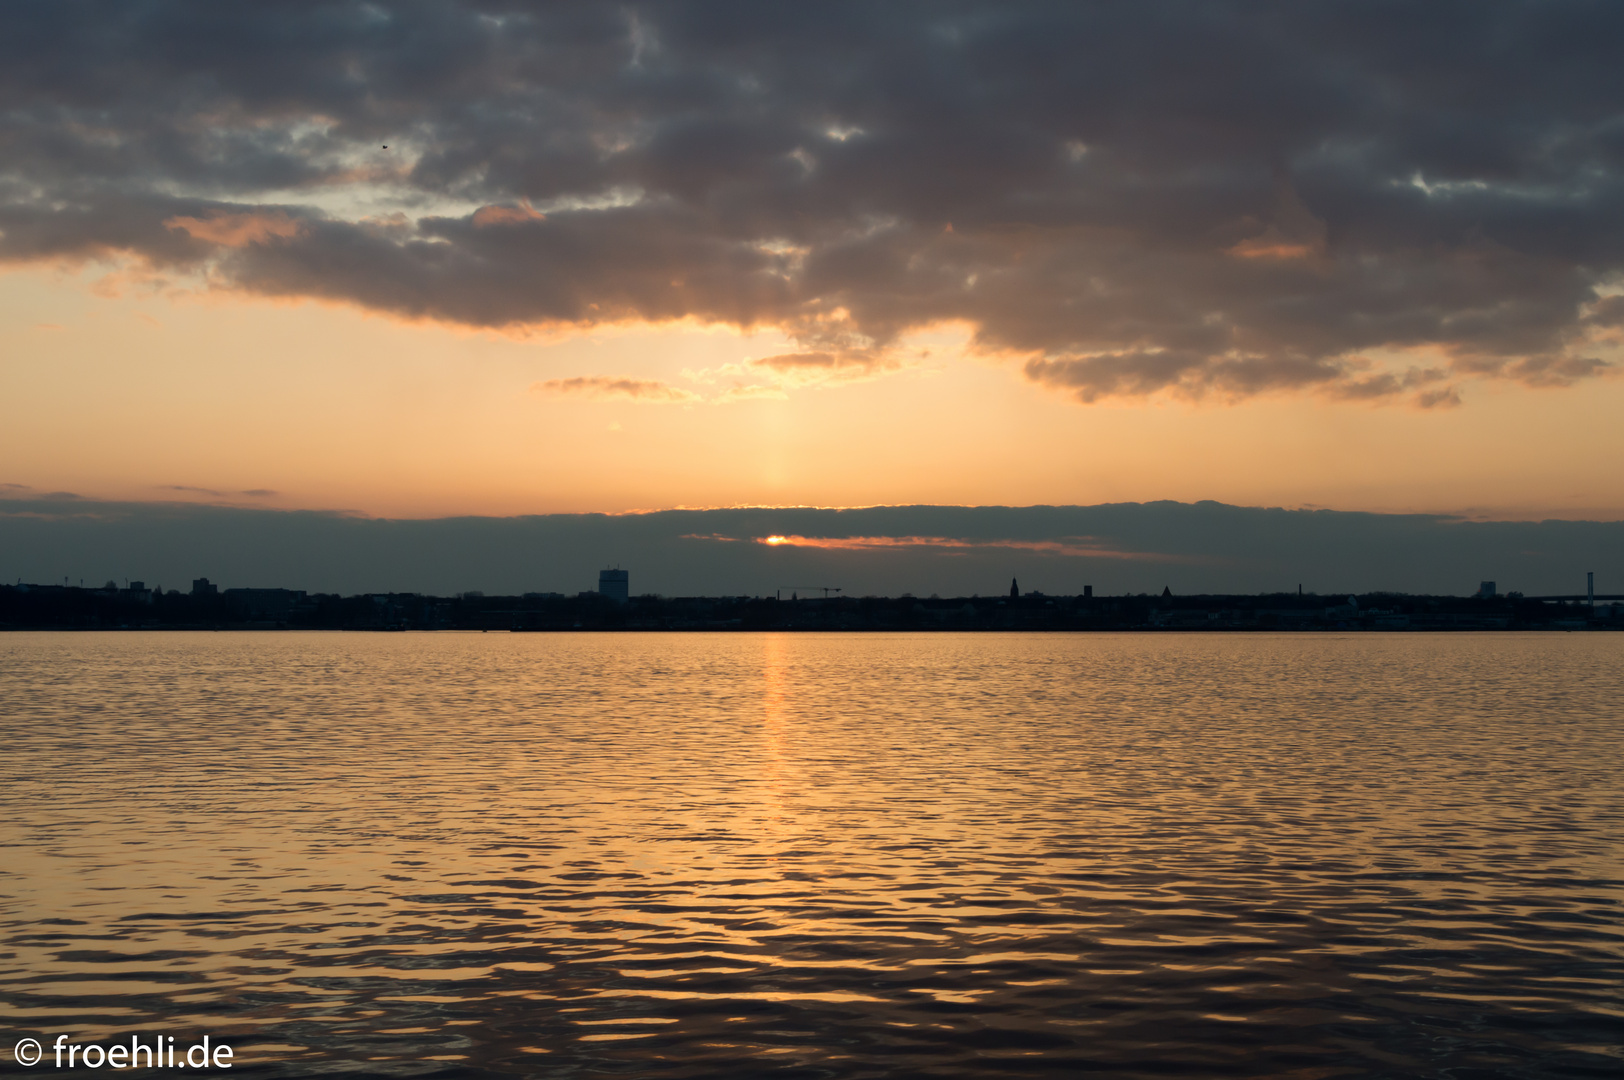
[(1088, 592), (1167, 591), (615, 584), (1014, 589), (201, 587), (1487, 591)]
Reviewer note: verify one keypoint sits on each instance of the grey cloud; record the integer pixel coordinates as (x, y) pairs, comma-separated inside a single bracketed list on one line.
[(1608, 312), (1209, 198), (1443, 398), (1198, 376)]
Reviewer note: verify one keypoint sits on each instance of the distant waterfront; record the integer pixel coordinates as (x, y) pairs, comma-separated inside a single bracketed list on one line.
[(136, 607)]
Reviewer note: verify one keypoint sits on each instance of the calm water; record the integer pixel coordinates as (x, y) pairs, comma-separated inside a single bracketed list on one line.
[(820, 855)]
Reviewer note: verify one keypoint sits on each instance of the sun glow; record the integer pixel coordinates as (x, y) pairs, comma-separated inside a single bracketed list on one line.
[(1082, 546)]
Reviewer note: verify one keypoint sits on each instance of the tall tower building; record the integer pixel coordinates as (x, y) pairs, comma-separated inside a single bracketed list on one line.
[(615, 584)]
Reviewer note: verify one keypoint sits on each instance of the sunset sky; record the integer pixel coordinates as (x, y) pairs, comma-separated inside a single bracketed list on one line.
[(634, 257)]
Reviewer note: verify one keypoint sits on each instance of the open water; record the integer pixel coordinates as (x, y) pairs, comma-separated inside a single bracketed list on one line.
[(819, 855)]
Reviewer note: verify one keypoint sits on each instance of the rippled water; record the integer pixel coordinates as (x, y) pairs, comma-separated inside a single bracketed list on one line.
[(823, 855)]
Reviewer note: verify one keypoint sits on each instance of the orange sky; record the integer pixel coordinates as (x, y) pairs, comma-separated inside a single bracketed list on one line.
[(1000, 254), (128, 391)]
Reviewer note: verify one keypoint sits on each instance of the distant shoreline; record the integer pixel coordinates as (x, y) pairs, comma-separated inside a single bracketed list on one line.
[(207, 608)]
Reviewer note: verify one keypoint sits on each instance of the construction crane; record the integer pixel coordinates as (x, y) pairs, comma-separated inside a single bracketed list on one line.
[(825, 589)]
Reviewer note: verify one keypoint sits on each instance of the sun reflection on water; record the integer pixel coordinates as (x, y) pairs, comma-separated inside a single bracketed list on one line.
[(952, 855)]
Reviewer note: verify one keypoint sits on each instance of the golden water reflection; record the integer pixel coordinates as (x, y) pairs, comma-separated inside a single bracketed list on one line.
[(714, 855)]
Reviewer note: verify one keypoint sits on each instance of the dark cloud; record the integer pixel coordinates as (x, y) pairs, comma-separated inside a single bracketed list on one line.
[(882, 550), (1212, 199)]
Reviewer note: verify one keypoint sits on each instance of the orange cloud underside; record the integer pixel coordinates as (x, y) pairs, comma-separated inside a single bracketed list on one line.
[(237, 230), (505, 215), (1266, 249)]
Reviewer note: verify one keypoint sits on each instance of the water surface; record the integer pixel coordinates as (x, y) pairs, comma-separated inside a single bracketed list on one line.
[(736, 855)]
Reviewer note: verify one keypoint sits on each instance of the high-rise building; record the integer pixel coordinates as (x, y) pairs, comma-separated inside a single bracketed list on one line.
[(615, 584), (1487, 591)]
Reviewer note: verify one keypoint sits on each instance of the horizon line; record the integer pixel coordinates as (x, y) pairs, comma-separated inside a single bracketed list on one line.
[(22, 493)]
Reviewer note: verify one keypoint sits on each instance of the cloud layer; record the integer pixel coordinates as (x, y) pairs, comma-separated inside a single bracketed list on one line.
[(1364, 201), (883, 550)]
